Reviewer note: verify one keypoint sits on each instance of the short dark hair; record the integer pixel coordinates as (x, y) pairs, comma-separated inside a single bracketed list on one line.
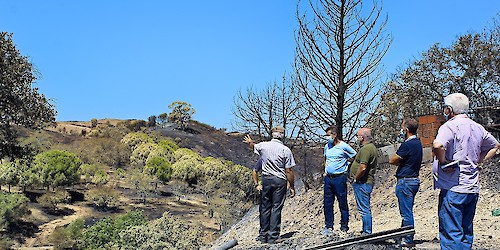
[(412, 125), (332, 129)]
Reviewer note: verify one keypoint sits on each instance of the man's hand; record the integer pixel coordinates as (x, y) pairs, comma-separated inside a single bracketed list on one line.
[(292, 192), (258, 187), (247, 139)]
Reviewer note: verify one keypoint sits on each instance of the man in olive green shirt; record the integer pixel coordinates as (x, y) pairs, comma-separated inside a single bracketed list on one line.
[(362, 174)]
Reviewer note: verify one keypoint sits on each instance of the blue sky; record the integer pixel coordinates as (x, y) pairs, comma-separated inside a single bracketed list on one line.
[(130, 59)]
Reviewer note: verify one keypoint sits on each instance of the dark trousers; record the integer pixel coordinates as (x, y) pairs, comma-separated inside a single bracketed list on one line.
[(271, 202), (336, 186)]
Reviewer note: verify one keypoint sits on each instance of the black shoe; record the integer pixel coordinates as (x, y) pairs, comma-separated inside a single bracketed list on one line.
[(261, 238), (272, 241)]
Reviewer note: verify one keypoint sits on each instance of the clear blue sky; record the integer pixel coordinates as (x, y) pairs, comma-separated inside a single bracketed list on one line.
[(130, 59)]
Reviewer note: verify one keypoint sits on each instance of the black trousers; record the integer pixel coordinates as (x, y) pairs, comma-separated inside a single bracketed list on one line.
[(271, 202)]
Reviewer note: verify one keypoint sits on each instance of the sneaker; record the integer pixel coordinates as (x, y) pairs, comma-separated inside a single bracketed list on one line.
[(326, 231), (342, 233)]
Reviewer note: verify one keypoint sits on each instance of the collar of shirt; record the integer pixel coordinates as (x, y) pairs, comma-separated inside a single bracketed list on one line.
[(411, 137), (276, 140), (458, 116)]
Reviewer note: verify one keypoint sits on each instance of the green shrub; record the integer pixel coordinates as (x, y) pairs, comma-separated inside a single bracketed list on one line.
[(160, 168), (12, 208), (50, 200), (105, 234), (103, 197), (164, 233), (67, 237)]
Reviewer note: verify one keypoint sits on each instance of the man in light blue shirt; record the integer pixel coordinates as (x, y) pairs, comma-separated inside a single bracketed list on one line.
[(336, 154)]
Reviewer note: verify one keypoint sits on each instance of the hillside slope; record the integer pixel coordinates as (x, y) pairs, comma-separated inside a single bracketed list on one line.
[(302, 216)]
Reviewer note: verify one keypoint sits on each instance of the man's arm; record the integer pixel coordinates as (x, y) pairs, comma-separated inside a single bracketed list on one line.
[(290, 176), (395, 159), (439, 152), (255, 178), (361, 172), (490, 153)]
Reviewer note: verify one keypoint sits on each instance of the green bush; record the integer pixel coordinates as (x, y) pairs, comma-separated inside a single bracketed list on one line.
[(164, 233), (160, 168), (50, 200), (67, 237), (103, 197), (105, 234), (12, 208)]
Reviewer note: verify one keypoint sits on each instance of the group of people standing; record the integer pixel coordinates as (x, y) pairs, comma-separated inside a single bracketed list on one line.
[(460, 146)]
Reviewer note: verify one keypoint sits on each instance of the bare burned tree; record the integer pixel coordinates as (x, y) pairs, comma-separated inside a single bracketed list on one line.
[(337, 57), (278, 104)]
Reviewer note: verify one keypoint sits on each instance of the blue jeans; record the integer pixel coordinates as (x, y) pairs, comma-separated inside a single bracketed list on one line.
[(406, 189), (362, 193), (336, 187), (272, 199), (456, 213)]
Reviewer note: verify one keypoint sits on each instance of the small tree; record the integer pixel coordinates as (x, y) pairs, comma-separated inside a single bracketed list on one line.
[(152, 121), (57, 168), (181, 113), (163, 118)]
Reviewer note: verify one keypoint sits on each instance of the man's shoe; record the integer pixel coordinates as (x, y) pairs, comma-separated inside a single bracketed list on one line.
[(261, 238), (408, 245), (326, 231), (272, 241)]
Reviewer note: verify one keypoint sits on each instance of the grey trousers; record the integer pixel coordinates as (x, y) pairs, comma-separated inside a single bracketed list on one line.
[(271, 202)]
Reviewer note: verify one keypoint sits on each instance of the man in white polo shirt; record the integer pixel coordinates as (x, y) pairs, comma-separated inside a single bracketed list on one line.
[(277, 163)]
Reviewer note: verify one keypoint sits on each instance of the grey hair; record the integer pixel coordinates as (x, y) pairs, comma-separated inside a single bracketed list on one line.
[(458, 102), (277, 135)]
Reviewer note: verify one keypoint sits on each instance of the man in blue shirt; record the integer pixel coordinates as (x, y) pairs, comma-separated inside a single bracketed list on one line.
[(336, 154), (408, 158)]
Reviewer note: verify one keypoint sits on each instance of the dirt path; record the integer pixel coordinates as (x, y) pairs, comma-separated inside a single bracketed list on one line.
[(42, 238)]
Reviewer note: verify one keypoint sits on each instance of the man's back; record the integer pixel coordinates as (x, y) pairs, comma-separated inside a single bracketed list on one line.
[(276, 157), (464, 140)]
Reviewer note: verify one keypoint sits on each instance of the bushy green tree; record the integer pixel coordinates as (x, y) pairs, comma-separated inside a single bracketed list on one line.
[(105, 234), (12, 208), (166, 232), (181, 113), (57, 168), (21, 103)]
